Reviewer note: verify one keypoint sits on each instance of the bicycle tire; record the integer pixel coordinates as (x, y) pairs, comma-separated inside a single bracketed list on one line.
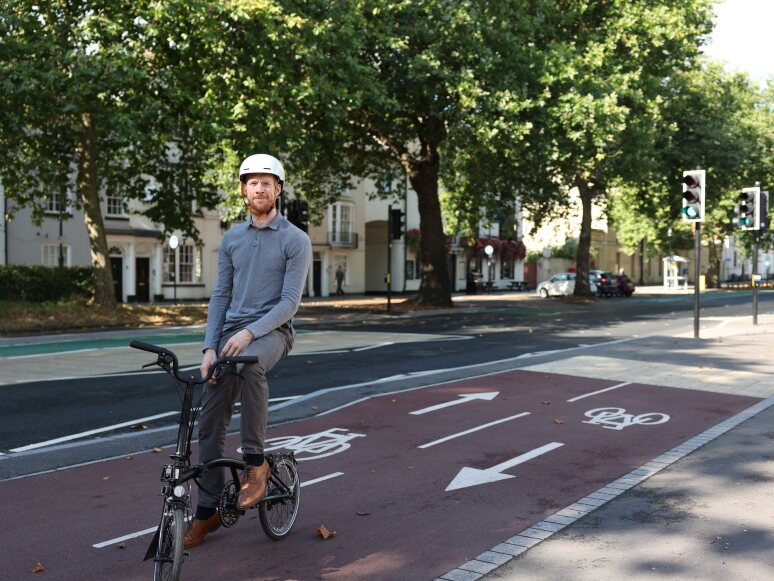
[(277, 511), (169, 557)]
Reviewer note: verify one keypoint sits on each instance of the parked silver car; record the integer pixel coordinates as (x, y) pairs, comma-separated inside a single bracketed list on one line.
[(561, 284)]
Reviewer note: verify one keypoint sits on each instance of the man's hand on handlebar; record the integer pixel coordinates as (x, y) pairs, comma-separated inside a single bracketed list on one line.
[(207, 361)]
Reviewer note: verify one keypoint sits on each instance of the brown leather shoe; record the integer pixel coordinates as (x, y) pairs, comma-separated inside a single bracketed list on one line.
[(253, 485), (200, 529)]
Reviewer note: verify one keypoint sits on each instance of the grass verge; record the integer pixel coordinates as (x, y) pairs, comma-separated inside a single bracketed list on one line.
[(19, 318)]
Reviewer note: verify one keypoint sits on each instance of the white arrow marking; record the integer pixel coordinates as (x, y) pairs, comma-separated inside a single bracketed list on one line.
[(473, 476), (463, 398)]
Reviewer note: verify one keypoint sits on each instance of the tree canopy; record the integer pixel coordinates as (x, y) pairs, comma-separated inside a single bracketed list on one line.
[(491, 102)]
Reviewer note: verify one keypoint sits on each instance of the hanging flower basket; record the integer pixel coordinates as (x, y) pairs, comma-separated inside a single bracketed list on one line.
[(513, 250), (480, 244), (413, 238)]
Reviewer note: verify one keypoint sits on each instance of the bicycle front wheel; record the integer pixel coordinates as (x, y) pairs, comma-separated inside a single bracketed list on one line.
[(279, 507), (169, 557)]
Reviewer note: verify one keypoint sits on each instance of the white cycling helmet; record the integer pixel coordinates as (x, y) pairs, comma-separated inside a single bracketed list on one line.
[(262, 163)]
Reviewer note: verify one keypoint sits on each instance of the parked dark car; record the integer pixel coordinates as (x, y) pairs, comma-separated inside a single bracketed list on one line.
[(607, 285), (625, 285)]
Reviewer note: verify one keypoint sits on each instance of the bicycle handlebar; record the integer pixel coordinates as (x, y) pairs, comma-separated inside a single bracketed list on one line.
[(152, 348), (167, 358)]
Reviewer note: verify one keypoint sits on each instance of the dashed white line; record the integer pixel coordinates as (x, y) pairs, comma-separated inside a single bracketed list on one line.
[(104, 429), (470, 431), (150, 530), (599, 391)]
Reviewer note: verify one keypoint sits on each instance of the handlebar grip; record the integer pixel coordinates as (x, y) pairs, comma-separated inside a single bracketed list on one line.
[(148, 347)]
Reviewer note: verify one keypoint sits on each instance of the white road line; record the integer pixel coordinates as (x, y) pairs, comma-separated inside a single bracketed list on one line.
[(321, 478), (125, 538), (104, 429), (150, 530), (367, 347), (476, 429), (91, 432), (600, 391)]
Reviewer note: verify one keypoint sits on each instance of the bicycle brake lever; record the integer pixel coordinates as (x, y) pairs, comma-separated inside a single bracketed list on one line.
[(149, 365)]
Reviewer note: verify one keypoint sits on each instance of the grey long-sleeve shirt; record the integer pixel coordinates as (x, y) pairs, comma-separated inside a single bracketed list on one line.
[(261, 277)]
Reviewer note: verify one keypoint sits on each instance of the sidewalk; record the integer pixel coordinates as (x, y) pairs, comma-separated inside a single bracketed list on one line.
[(708, 517), (703, 511)]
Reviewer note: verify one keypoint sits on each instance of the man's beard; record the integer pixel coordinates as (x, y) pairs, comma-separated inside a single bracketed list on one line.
[(257, 209)]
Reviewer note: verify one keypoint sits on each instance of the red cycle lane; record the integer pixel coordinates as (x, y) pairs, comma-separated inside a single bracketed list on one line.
[(414, 483)]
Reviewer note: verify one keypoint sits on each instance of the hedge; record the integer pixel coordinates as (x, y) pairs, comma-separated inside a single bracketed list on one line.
[(37, 284)]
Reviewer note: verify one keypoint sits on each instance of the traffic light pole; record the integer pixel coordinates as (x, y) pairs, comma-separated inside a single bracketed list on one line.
[(389, 260), (696, 274), (754, 276)]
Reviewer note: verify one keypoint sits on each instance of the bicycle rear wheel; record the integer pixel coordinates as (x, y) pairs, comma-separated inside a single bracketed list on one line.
[(169, 557), (279, 507)]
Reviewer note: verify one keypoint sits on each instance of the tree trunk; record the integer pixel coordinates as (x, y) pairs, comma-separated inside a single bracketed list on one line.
[(88, 188), (434, 289), (582, 286)]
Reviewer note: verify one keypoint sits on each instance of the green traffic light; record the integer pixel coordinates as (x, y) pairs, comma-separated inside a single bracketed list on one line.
[(690, 212)]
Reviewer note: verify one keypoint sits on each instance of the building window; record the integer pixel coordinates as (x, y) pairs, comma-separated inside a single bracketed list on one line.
[(190, 264), (186, 261), (57, 203), (169, 265), (340, 224), (51, 255), (507, 268), (411, 273), (115, 205)]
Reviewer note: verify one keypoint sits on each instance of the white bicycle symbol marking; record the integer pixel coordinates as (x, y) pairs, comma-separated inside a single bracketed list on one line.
[(314, 446), (618, 419)]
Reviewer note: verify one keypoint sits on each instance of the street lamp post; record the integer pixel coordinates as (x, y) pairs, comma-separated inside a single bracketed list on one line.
[(489, 251), (174, 242)]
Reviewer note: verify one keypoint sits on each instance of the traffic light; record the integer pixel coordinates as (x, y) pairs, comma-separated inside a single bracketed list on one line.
[(298, 214), (693, 195), (396, 224), (748, 209)]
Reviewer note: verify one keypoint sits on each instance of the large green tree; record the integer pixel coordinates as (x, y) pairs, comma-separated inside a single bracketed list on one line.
[(113, 96), (395, 87), (710, 119), (605, 80)]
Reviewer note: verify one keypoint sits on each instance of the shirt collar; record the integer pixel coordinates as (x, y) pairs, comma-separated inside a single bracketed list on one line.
[(274, 224)]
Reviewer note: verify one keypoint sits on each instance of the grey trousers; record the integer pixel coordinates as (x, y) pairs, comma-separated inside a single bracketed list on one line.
[(218, 406)]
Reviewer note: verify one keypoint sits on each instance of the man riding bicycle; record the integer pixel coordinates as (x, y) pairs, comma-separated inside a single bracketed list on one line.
[(262, 269)]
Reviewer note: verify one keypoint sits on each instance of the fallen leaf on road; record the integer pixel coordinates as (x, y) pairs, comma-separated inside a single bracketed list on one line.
[(545, 402), (106, 477), (157, 449), (359, 513), (140, 426), (325, 533), (38, 568), (558, 421), (122, 546)]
